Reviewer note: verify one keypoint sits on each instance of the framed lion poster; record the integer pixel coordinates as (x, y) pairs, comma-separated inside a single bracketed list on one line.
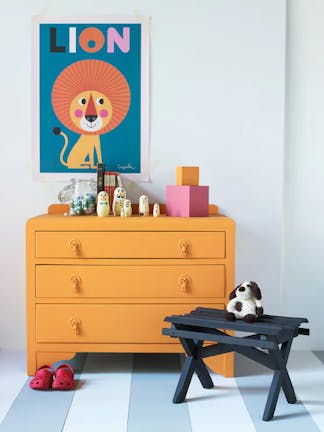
[(91, 96)]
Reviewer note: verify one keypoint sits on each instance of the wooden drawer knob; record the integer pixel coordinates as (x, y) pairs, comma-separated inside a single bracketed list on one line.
[(184, 246), (76, 325), (75, 246), (185, 281), (76, 283)]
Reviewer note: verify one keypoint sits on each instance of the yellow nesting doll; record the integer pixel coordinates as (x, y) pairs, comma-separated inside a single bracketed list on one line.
[(103, 204)]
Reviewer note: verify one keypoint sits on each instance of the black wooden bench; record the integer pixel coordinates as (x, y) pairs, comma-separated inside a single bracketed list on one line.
[(269, 332)]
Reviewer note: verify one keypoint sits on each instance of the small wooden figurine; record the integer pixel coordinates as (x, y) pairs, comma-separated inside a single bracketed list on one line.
[(119, 198), (103, 204), (156, 210), (126, 210), (143, 208)]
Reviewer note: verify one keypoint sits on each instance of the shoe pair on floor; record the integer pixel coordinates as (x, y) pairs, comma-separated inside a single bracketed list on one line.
[(60, 379)]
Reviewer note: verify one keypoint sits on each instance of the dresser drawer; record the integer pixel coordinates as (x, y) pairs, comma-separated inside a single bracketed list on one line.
[(105, 323), (133, 281), (76, 244)]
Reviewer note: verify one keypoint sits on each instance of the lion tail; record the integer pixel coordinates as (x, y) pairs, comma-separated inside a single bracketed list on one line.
[(57, 131)]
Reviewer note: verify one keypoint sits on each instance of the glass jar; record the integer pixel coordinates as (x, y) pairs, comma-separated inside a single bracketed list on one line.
[(81, 195)]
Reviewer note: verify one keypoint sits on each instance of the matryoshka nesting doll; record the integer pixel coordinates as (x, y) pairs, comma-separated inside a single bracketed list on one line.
[(143, 206), (103, 204), (119, 198), (156, 210), (126, 211)]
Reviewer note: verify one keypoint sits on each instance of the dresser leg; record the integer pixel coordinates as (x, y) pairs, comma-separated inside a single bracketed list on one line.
[(38, 359), (221, 364), (31, 362)]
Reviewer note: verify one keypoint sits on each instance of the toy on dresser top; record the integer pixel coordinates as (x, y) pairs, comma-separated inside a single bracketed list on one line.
[(126, 210), (245, 303), (143, 206), (156, 210), (187, 198), (123, 206), (119, 199), (103, 204)]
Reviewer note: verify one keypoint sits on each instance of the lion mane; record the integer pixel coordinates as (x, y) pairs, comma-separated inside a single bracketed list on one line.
[(91, 75)]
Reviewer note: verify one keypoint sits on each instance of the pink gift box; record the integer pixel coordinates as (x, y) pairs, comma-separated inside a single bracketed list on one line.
[(187, 201)]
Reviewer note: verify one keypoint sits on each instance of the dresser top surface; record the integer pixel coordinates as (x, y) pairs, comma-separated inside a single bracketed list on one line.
[(134, 222)]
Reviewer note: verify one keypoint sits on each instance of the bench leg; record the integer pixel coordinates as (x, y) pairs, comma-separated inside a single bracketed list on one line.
[(192, 364), (288, 388), (286, 384), (190, 346), (185, 380), (273, 395), (203, 374), (280, 379)]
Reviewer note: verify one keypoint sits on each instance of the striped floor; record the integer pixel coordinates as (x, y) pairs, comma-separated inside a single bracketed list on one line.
[(133, 393)]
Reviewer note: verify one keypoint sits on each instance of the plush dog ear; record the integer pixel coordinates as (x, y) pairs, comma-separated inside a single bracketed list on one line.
[(233, 293), (255, 290)]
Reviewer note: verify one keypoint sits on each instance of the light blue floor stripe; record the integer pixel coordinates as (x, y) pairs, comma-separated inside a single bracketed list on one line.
[(254, 381), (320, 355), (12, 378), (307, 374), (39, 411), (155, 377), (102, 400), (213, 406)]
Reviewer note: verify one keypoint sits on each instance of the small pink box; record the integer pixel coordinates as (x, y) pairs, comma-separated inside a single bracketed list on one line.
[(187, 201)]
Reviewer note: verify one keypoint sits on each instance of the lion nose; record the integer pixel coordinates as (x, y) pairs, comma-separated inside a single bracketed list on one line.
[(91, 118), (91, 113), (241, 289)]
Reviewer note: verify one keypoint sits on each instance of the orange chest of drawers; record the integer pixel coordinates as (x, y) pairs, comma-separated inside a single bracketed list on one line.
[(105, 284)]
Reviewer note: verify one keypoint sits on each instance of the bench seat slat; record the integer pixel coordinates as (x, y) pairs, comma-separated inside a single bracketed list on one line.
[(265, 318), (232, 340), (228, 325)]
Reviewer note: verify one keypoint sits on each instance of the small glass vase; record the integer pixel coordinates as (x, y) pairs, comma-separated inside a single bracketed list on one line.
[(81, 195)]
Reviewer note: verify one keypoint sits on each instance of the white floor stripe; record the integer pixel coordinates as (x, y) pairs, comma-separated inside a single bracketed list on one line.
[(101, 401), (12, 378), (221, 406), (307, 375)]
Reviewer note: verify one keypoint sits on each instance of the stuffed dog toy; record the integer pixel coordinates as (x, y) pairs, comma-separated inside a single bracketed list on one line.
[(245, 303)]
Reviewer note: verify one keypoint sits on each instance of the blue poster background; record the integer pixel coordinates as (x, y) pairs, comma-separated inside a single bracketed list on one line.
[(121, 147)]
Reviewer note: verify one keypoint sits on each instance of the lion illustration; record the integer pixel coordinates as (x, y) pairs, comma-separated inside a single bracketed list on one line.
[(90, 97)]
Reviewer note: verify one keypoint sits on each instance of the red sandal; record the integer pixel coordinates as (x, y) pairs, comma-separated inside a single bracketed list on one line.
[(42, 379), (63, 378)]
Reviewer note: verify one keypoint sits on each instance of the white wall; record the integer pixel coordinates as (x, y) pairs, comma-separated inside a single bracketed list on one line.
[(217, 101), (303, 257)]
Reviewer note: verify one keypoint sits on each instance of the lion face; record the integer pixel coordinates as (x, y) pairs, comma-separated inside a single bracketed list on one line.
[(83, 96), (90, 111)]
